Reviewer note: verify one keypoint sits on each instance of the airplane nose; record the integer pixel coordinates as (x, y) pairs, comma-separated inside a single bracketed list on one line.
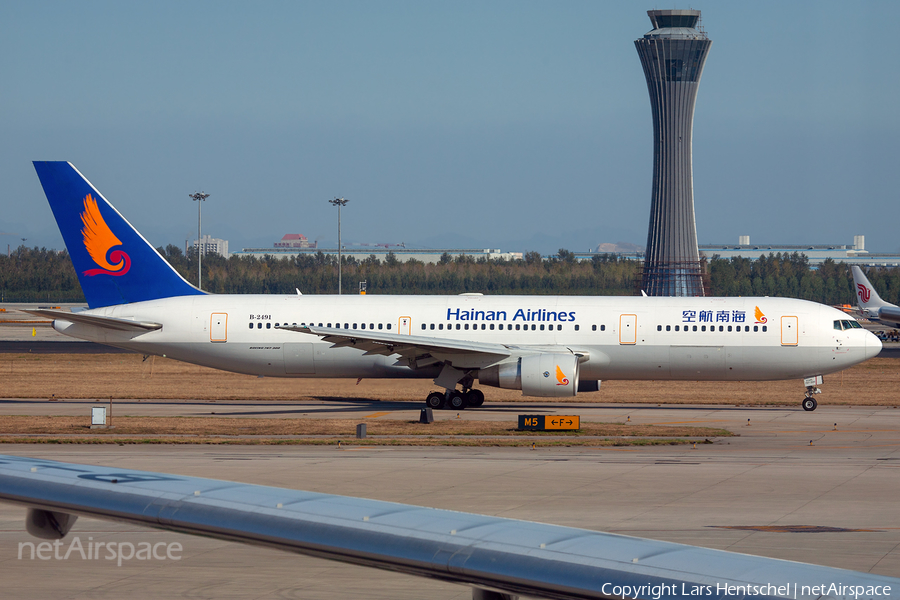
[(873, 345)]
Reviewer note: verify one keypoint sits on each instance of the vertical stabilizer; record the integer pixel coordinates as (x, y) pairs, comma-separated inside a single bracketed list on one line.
[(866, 295), (115, 264)]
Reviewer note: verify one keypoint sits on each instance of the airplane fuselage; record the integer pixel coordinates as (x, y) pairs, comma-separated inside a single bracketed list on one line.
[(619, 337)]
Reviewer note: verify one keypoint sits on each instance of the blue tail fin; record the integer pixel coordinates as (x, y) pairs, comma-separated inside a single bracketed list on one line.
[(115, 264)]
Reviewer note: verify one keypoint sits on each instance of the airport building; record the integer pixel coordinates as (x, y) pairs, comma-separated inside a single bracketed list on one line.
[(425, 255), (851, 254), (673, 55), (210, 245)]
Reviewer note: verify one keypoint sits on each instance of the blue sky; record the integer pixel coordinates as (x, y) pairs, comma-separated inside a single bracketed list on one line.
[(518, 125)]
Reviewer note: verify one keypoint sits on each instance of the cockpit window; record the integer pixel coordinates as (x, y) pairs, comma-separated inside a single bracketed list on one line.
[(855, 325), (837, 325)]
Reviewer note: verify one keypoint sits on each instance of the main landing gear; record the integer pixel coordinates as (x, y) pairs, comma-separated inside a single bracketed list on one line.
[(455, 399)]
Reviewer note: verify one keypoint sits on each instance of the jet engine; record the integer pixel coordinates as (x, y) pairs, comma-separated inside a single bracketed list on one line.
[(541, 375)]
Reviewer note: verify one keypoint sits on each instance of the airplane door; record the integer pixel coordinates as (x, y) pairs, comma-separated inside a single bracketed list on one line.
[(404, 325), (218, 327), (627, 329), (789, 331)]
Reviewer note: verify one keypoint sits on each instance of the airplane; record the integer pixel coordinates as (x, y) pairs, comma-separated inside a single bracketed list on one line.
[(499, 558), (870, 303), (545, 346)]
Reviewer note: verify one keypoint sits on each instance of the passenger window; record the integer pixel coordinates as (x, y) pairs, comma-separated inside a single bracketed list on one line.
[(729, 328), (747, 328), (380, 325), (354, 326), (492, 326), (441, 326), (276, 325), (389, 326), (559, 327), (362, 326), (483, 326), (722, 328), (659, 327), (457, 326), (259, 325), (765, 328), (603, 328), (517, 327), (702, 328), (268, 326), (695, 327), (676, 328), (593, 328), (534, 327), (432, 326), (669, 328), (542, 326), (423, 326), (346, 325), (756, 328), (251, 325), (371, 325), (467, 326), (577, 328)]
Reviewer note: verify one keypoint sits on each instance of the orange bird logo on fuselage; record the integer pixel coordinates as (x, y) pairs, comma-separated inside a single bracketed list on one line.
[(99, 239)]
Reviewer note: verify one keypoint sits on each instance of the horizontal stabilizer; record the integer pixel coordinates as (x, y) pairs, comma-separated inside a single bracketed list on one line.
[(97, 321)]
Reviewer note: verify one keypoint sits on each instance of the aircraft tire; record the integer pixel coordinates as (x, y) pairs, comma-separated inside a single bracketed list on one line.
[(457, 401), (435, 400), (809, 404), (475, 398)]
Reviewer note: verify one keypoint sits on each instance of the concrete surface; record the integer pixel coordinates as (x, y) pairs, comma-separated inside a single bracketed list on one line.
[(769, 476)]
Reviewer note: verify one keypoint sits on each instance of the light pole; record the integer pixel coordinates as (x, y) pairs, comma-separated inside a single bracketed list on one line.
[(199, 197), (339, 202)]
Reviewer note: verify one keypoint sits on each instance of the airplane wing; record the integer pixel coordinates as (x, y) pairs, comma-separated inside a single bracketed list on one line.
[(96, 320), (491, 554), (462, 353)]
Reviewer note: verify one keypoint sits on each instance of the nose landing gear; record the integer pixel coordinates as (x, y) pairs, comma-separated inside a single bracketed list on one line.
[(809, 403)]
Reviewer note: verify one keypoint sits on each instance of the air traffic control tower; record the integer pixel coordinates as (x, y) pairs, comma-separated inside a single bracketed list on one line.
[(673, 55)]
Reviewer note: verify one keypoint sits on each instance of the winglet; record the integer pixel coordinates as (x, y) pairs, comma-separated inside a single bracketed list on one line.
[(114, 263)]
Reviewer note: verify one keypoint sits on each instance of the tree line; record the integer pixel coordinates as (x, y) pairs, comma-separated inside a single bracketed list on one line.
[(41, 275)]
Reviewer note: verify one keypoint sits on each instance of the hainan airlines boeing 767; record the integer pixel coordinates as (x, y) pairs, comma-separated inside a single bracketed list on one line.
[(546, 346)]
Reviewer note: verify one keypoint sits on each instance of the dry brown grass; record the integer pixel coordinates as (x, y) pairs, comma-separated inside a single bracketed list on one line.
[(229, 426), (125, 376)]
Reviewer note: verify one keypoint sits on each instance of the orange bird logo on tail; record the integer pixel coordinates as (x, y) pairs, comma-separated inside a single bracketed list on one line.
[(99, 239), (560, 377)]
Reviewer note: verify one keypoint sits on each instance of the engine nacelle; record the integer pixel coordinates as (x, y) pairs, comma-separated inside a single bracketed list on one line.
[(47, 524), (541, 375)]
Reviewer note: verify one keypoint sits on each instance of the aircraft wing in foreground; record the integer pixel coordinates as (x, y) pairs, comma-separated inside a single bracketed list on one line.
[(498, 557)]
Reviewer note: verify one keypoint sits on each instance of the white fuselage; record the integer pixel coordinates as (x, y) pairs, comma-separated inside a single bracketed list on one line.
[(622, 337)]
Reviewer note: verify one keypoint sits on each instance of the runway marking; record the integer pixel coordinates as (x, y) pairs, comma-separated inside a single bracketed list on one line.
[(376, 415)]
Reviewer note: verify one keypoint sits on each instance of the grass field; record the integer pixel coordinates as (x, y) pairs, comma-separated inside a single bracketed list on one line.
[(126, 376)]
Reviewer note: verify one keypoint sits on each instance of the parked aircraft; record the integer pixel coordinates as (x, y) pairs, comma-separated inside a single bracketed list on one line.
[(870, 303), (545, 346), (500, 558)]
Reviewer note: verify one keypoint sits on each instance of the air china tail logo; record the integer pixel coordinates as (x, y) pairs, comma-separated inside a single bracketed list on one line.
[(561, 379), (863, 292), (99, 239), (760, 317)]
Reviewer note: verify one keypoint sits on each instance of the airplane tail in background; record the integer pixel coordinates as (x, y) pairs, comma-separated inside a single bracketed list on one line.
[(115, 264), (866, 296)]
